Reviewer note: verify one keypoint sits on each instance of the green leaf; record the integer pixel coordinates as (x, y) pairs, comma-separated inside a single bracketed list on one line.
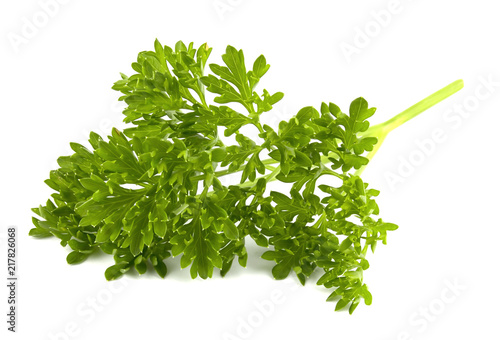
[(218, 154), (161, 269), (306, 114), (260, 66), (281, 270), (237, 75), (140, 265), (116, 271), (345, 244), (230, 230), (353, 305), (341, 304), (76, 257), (269, 255), (39, 232)]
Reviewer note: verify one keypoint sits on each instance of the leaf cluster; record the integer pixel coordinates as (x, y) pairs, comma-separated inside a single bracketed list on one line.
[(153, 190)]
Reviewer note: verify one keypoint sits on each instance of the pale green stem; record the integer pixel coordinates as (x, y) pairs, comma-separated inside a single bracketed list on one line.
[(380, 131), (415, 110)]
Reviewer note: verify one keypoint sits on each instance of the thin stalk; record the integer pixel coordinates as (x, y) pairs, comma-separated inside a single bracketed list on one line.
[(416, 109), (380, 131)]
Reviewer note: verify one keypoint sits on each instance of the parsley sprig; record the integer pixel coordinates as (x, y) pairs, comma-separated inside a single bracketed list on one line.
[(153, 190)]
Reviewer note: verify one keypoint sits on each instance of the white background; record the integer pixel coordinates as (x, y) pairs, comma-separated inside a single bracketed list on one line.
[(55, 88)]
